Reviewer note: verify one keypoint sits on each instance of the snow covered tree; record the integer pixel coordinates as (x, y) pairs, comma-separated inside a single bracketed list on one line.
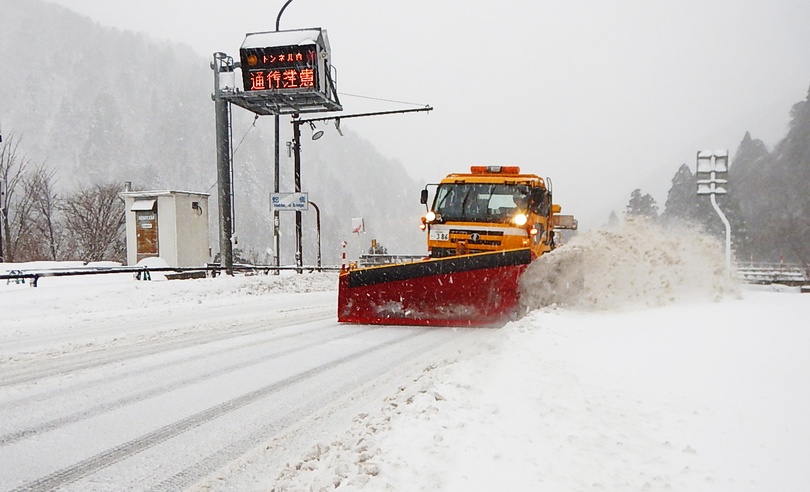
[(46, 234), (613, 219), (641, 205), (15, 212), (792, 183), (682, 203)]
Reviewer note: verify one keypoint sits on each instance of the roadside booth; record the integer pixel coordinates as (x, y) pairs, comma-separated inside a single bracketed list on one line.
[(171, 225)]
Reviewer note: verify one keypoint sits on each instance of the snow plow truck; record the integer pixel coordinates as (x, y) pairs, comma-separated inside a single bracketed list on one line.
[(483, 229)]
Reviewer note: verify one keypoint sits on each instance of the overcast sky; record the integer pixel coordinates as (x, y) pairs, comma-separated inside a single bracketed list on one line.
[(603, 97)]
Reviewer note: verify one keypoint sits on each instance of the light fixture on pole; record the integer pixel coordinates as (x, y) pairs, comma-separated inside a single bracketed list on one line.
[(296, 148), (277, 170), (316, 134)]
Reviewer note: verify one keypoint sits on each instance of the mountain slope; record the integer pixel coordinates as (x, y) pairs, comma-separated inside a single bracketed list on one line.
[(102, 105)]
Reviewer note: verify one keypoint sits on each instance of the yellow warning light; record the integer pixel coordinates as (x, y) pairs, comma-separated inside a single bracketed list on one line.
[(252, 60)]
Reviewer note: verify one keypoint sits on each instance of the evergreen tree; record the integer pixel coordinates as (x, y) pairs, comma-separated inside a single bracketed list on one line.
[(794, 150), (682, 203), (790, 218), (613, 219), (641, 205), (752, 164)]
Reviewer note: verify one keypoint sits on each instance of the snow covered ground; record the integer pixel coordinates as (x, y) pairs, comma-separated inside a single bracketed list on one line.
[(692, 384), (701, 396)]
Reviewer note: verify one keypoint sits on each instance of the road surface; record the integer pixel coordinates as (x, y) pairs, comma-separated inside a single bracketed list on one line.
[(159, 401)]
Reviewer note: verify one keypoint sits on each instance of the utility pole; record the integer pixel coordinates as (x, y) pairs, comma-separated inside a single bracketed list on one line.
[(297, 152)]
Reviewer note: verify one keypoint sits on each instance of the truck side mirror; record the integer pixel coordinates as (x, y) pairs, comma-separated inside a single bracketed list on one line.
[(538, 201), (423, 197)]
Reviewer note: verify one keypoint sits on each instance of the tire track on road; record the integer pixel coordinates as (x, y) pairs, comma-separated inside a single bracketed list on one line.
[(54, 424), (164, 365), (118, 453), (78, 362), (193, 474)]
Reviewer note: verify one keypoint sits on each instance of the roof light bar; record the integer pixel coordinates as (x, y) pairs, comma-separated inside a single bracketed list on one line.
[(495, 170)]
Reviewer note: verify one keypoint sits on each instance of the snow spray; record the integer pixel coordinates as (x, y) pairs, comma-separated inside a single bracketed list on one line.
[(636, 264)]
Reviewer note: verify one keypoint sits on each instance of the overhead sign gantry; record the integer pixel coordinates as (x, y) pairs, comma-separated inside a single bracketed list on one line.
[(283, 72), (286, 72)]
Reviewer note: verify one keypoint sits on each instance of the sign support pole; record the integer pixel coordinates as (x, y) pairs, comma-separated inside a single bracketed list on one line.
[(728, 231), (715, 163), (222, 110), (318, 229)]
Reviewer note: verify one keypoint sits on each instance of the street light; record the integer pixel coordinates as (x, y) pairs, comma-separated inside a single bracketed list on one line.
[(276, 174), (316, 134), (296, 147)]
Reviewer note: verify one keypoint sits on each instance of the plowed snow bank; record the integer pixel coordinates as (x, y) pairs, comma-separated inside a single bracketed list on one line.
[(636, 264)]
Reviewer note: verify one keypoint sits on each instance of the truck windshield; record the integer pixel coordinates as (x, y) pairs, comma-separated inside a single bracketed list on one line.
[(479, 202)]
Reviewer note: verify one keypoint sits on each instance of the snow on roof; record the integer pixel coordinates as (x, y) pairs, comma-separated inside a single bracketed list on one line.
[(156, 193), (282, 38)]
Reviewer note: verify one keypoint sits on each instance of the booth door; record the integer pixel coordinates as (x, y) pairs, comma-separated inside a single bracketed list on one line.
[(147, 234)]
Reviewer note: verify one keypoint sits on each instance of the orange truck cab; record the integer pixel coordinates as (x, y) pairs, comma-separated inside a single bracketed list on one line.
[(492, 208)]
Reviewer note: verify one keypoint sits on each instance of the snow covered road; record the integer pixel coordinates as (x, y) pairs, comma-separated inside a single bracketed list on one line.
[(157, 394), (247, 384)]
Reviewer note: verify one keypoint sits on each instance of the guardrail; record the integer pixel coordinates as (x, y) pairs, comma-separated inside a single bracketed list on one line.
[(773, 273), (752, 273), (145, 272)]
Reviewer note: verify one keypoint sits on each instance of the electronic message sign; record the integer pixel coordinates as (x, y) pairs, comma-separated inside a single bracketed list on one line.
[(280, 67), (286, 72)]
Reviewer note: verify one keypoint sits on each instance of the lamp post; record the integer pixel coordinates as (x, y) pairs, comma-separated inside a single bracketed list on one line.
[(296, 147), (276, 174)]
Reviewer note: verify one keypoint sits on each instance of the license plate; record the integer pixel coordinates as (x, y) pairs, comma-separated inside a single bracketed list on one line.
[(439, 236)]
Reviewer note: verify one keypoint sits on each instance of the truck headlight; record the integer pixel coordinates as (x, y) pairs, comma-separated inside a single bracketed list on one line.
[(520, 219)]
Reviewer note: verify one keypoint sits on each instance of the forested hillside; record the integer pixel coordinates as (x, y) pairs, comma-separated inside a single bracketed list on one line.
[(99, 106)]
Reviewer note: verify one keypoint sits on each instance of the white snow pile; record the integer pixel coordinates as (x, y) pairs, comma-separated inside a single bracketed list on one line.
[(415, 437), (692, 396), (636, 264), (71, 296), (288, 283)]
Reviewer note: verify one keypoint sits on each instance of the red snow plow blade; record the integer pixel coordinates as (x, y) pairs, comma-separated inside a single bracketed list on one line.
[(469, 290)]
